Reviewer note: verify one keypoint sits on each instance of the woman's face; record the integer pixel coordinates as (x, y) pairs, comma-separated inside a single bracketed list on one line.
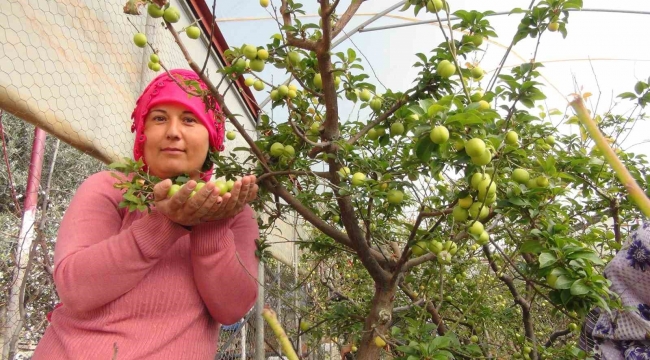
[(177, 142)]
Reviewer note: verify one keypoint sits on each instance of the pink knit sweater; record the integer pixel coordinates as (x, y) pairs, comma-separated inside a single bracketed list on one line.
[(145, 283)]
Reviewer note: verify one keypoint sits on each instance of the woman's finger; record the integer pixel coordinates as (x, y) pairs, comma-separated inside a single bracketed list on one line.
[(252, 194), (220, 206), (180, 199), (211, 197), (234, 195), (161, 189), (243, 194)]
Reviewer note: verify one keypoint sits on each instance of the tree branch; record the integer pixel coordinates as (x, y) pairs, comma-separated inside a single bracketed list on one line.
[(370, 255), (378, 120), (358, 240), (452, 47), (307, 214), (614, 209), (346, 17), (405, 252), (324, 175), (556, 335), (17, 211), (292, 40), (518, 299), (407, 307), (220, 99), (429, 306), (299, 133), (594, 187), (214, 22)]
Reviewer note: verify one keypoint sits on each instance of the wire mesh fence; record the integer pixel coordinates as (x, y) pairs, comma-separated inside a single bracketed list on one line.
[(72, 69), (284, 293), (64, 168)]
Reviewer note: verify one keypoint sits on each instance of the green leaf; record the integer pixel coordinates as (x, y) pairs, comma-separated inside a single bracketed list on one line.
[(131, 198), (424, 148), (465, 119), (563, 282), (518, 201), (417, 110), (565, 296), (117, 165), (601, 303), (426, 103), (579, 288), (572, 4), (521, 34), (351, 55), (531, 246), (518, 11), (587, 255), (473, 349), (546, 259), (441, 342), (627, 95), (566, 176), (443, 355)]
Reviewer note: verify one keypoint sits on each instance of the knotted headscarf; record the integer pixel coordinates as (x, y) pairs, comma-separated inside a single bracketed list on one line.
[(164, 90)]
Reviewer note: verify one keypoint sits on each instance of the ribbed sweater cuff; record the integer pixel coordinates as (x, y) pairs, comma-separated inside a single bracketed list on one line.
[(209, 238), (155, 233)]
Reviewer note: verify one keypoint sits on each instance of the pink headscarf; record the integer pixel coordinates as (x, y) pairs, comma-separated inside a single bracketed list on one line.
[(163, 90)]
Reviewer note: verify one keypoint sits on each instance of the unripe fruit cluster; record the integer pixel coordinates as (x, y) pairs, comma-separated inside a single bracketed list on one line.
[(221, 185)]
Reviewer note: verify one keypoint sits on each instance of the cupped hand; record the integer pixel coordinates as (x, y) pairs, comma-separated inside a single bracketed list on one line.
[(182, 208), (243, 192)]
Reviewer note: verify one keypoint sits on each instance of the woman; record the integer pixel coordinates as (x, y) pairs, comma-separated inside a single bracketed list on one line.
[(155, 285), (624, 333)]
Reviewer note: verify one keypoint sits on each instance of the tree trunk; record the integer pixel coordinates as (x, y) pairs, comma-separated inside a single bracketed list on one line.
[(377, 321)]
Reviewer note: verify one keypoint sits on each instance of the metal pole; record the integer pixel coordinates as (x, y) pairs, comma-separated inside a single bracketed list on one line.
[(415, 23), (346, 36), (243, 340), (295, 278), (279, 307), (260, 354), (14, 321)]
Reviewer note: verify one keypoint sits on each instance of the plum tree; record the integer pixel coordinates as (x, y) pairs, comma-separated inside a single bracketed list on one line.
[(468, 198)]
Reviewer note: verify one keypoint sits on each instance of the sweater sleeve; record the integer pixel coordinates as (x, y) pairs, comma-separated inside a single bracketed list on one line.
[(225, 265), (95, 260)]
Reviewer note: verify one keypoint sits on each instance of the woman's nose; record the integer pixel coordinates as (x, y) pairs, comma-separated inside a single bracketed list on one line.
[(173, 128)]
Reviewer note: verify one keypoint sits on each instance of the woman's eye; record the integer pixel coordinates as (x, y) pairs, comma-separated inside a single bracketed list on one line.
[(190, 120), (158, 118)]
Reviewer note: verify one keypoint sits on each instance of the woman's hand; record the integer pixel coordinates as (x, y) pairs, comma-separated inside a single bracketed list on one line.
[(183, 209), (243, 192)]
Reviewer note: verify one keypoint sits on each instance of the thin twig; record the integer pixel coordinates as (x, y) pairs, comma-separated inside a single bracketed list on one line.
[(556, 335), (495, 76), (451, 45), (211, 35), (14, 197), (324, 175)]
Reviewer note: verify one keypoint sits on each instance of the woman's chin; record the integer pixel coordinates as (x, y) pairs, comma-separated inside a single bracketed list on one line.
[(170, 172)]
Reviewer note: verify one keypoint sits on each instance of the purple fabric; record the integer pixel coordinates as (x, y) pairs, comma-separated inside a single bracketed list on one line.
[(625, 334)]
